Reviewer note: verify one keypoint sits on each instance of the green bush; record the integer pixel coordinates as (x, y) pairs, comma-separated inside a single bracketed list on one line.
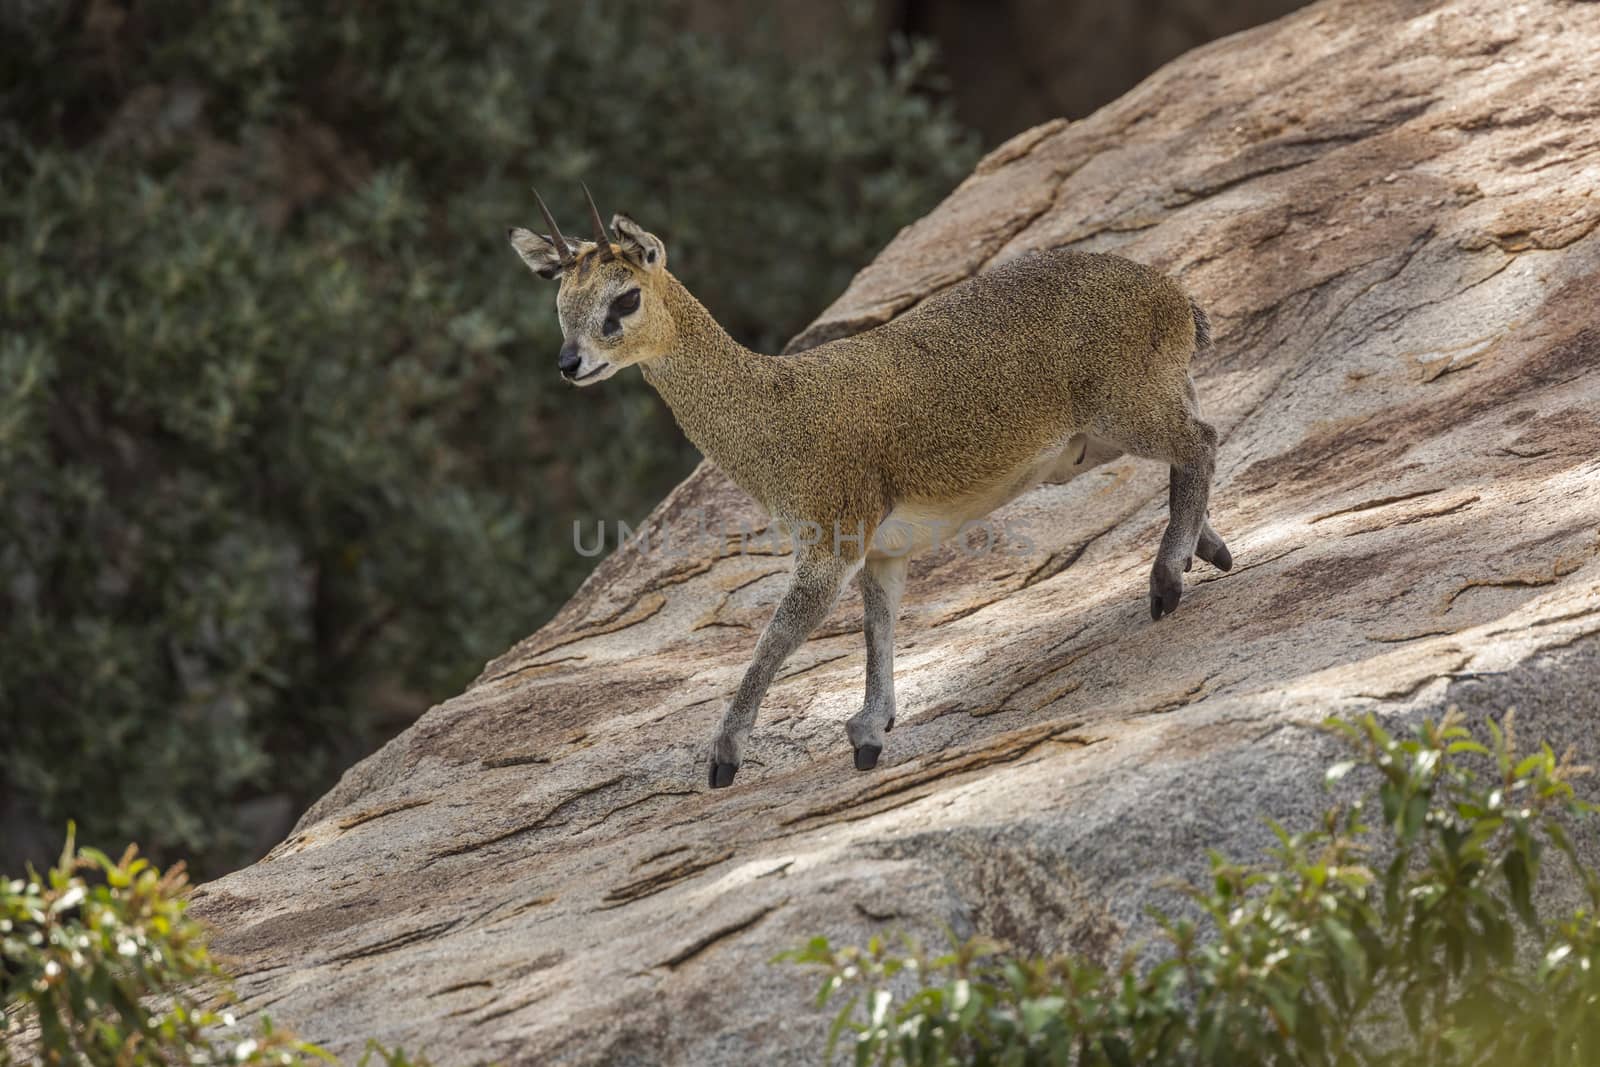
[(107, 969), (283, 454), (1415, 940)]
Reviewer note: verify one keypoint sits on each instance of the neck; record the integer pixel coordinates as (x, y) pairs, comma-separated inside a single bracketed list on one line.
[(717, 388)]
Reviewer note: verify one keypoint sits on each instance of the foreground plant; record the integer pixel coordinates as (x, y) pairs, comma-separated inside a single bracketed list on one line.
[(1403, 931), (101, 956)]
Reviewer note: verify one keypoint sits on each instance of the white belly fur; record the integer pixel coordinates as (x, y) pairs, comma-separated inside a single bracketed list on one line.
[(914, 526)]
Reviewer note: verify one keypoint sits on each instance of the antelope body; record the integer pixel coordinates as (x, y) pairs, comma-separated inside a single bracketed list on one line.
[(887, 441)]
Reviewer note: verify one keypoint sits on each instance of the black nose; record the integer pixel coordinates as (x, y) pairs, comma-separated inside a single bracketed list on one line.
[(569, 359)]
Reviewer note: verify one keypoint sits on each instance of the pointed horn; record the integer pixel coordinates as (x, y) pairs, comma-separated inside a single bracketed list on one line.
[(600, 238), (563, 250)]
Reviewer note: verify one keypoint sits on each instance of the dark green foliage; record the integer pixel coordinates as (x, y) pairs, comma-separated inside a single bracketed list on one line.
[(99, 964), (283, 452), (1415, 940)]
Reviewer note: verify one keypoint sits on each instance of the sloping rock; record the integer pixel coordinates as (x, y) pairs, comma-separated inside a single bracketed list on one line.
[(1390, 210)]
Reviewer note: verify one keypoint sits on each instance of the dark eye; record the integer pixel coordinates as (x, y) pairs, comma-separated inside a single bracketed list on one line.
[(626, 304)]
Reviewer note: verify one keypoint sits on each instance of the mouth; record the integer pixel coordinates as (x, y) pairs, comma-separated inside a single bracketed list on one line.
[(590, 374)]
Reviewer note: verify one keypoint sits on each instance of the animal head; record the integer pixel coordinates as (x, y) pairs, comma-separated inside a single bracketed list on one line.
[(611, 304)]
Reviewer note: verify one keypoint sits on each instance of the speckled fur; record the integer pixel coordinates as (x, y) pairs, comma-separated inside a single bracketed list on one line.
[(948, 401), (1041, 367)]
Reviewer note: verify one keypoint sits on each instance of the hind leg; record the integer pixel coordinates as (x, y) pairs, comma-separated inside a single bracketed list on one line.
[(1210, 546), (1188, 492), (1085, 451), (1188, 445), (1212, 549)]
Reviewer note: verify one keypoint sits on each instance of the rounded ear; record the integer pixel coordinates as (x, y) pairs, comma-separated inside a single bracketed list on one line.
[(539, 252), (644, 250)]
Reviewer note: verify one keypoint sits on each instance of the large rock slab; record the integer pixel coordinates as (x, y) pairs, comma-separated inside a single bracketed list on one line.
[(1390, 211)]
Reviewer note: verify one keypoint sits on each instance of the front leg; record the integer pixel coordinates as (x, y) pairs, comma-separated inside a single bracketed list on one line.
[(818, 576), (882, 580)]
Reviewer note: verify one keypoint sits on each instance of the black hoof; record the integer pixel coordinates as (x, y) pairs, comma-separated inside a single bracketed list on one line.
[(722, 774), (1223, 560), (867, 756), (1164, 601)]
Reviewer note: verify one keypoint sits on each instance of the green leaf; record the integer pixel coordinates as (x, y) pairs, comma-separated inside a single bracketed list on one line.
[(1116, 1051), (1039, 1013), (841, 1022), (1519, 885)]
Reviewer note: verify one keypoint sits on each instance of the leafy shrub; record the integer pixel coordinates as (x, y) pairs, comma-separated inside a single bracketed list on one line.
[(283, 454), (107, 966), (1415, 940)]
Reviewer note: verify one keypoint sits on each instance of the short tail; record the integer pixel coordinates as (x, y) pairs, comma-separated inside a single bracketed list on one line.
[(1202, 328)]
